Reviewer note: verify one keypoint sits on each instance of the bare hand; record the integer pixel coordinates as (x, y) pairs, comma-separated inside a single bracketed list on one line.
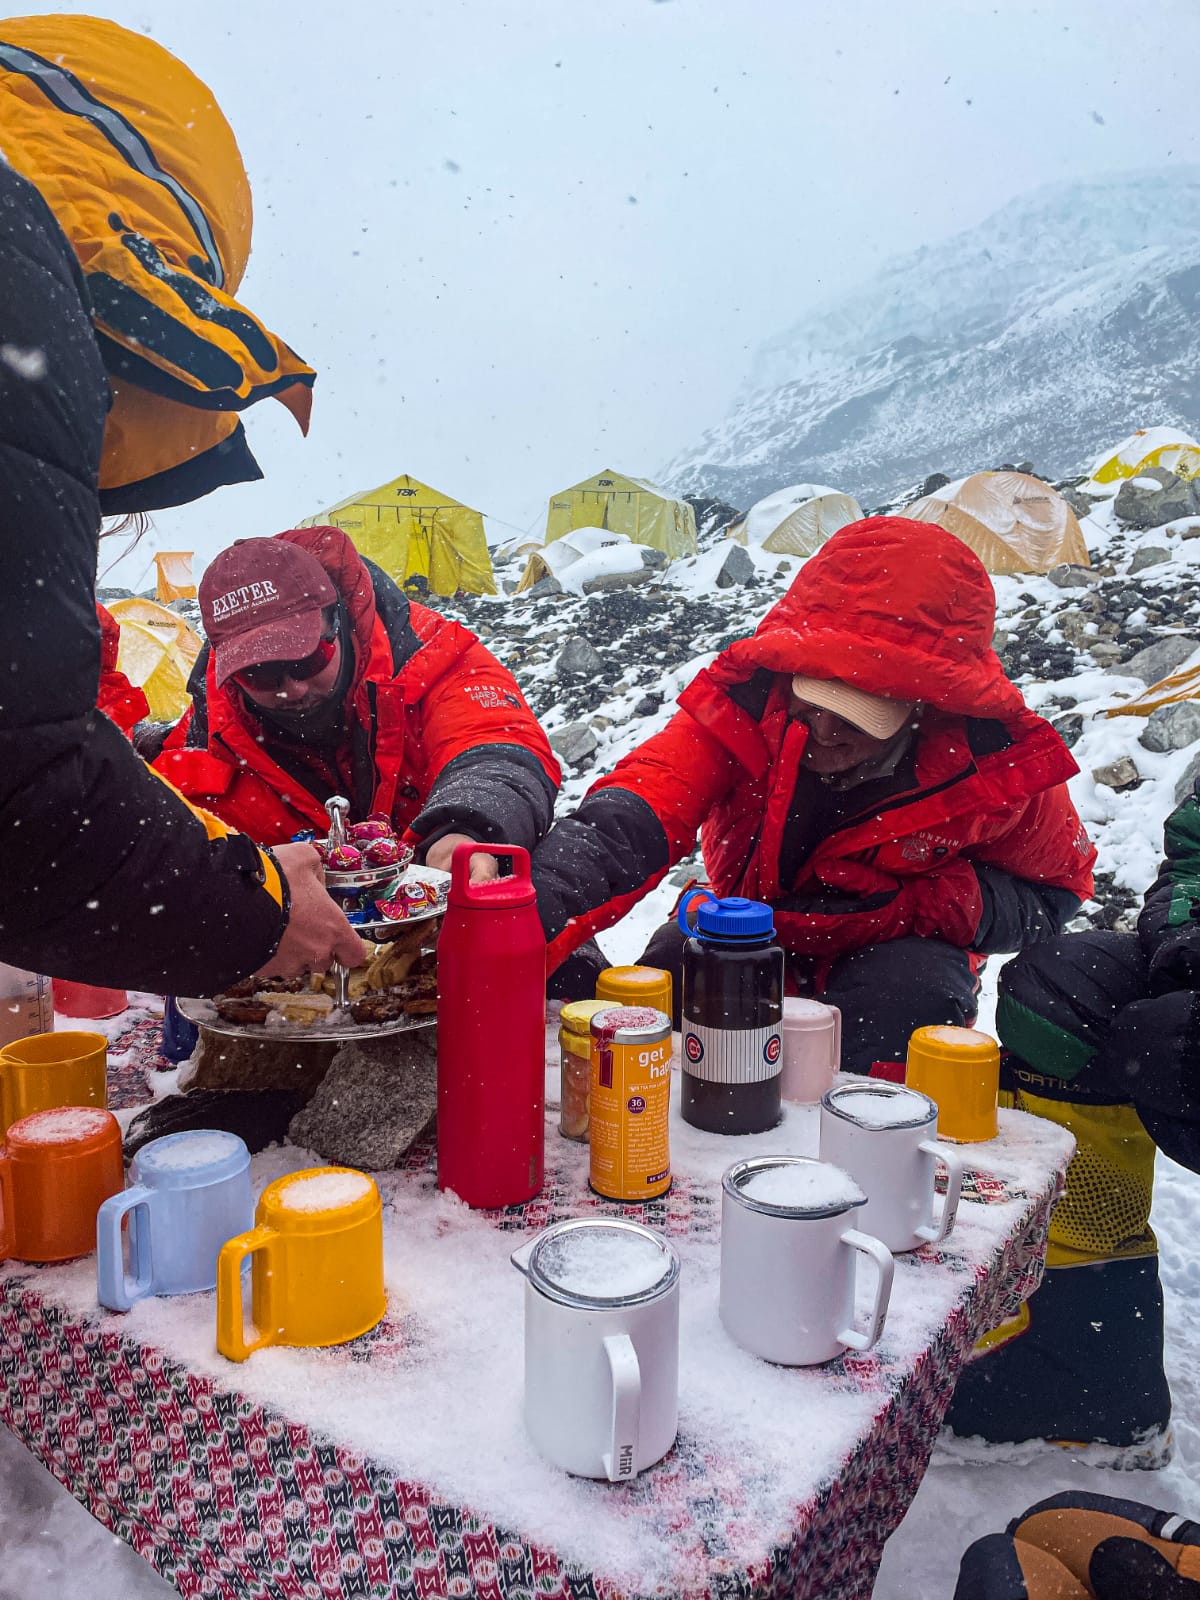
[(483, 867), (317, 934)]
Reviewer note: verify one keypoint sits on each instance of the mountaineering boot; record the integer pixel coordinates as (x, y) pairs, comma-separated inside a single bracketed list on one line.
[(1081, 1363), (1078, 1546)]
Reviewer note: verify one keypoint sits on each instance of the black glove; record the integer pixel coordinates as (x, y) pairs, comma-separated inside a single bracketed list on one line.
[(1152, 1057), (1127, 1569), (1175, 961)]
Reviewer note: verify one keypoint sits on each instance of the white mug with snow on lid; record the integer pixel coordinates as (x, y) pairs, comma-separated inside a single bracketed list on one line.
[(885, 1136), (789, 1257), (601, 1346)]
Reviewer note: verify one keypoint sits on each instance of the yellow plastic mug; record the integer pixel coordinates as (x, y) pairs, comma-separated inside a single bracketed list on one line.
[(49, 1070), (316, 1264), (959, 1069), (635, 986)]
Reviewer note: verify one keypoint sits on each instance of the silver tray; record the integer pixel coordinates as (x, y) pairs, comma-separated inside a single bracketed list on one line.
[(348, 882), (204, 1014)]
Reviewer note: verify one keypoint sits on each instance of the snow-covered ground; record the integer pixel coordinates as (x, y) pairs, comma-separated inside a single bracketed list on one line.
[(653, 641)]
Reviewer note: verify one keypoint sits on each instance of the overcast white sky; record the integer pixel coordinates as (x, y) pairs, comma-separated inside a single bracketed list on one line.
[(522, 240)]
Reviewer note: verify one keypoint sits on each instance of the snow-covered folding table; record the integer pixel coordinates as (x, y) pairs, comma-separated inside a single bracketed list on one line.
[(398, 1466)]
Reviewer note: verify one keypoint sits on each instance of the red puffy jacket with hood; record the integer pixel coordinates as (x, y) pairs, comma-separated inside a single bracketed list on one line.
[(439, 736), (978, 844)]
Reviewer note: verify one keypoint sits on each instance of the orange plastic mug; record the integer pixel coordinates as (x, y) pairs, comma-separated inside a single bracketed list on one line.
[(959, 1069), (51, 1069), (316, 1264), (57, 1168)]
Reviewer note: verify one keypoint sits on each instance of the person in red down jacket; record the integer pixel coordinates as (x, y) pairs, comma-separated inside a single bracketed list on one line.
[(863, 765), (118, 699), (321, 678)]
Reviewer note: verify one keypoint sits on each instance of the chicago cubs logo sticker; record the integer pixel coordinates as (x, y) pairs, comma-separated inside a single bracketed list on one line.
[(771, 1049), (693, 1048)]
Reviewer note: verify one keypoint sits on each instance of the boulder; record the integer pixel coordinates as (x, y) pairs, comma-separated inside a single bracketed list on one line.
[(737, 567), (1159, 658), (651, 564), (578, 658), (1172, 727), (574, 742), (374, 1103), (1188, 779), (1139, 505), (1150, 555), (934, 482), (1119, 774), (1069, 728), (222, 1061), (542, 589), (648, 704), (1104, 653), (1066, 576)]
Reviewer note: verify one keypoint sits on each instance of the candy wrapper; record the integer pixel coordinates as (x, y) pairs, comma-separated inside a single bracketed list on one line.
[(383, 853), (409, 899), (343, 858), (366, 832)]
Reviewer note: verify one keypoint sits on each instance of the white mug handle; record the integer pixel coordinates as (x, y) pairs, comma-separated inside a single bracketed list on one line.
[(955, 1167), (620, 1460), (885, 1268)]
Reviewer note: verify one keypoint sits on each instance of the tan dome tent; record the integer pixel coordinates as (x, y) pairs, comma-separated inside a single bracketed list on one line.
[(157, 653), (1168, 448), (644, 513), (413, 531), (795, 521), (1014, 523)]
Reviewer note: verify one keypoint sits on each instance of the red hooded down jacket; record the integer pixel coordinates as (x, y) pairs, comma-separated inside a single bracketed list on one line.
[(894, 607), (118, 699), (440, 738)]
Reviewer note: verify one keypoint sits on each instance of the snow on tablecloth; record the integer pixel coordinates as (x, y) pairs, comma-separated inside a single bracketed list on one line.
[(399, 1464)]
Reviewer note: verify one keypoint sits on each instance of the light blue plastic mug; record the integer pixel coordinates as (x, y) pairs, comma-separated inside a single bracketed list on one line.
[(189, 1193)]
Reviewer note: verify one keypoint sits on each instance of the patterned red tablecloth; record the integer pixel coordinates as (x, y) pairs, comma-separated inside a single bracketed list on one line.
[(234, 1490)]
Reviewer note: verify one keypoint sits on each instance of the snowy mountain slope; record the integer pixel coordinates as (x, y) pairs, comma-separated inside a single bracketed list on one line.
[(1069, 315)]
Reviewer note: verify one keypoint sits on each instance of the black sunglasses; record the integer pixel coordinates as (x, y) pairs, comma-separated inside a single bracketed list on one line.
[(271, 674)]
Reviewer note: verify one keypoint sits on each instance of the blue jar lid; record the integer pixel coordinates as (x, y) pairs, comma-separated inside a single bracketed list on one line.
[(731, 918)]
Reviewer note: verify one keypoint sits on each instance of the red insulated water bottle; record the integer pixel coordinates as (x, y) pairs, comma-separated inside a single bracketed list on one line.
[(491, 1034)]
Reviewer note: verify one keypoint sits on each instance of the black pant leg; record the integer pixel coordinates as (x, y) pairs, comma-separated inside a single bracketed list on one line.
[(887, 991)]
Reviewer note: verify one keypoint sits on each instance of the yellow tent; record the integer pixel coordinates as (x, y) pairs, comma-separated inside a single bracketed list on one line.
[(632, 506), (1014, 523), (795, 521), (412, 531), (1183, 684), (175, 580), (1169, 448), (158, 650)]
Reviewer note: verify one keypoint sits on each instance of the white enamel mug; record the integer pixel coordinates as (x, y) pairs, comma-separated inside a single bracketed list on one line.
[(601, 1346), (789, 1254), (885, 1136), (812, 1049)]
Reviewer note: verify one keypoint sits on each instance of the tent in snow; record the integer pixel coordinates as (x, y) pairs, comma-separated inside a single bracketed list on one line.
[(158, 651), (175, 581), (1014, 523), (644, 513), (412, 531), (795, 521), (1168, 448), (552, 560), (1182, 684)]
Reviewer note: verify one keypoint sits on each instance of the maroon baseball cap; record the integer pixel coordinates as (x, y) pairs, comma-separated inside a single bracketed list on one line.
[(261, 600)]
